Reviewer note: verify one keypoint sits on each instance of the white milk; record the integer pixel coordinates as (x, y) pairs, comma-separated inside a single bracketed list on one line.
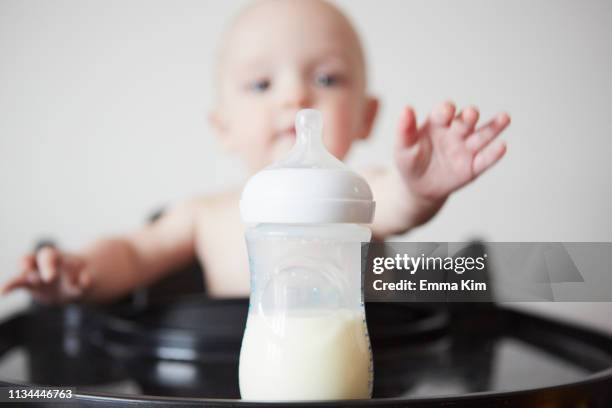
[(305, 357)]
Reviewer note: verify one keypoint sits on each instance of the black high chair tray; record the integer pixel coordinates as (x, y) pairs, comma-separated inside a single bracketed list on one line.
[(184, 352)]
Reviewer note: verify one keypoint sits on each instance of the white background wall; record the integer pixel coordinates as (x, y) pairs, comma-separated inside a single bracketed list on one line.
[(103, 114)]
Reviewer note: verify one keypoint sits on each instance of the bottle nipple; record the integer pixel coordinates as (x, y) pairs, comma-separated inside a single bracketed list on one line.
[(309, 150), (309, 126)]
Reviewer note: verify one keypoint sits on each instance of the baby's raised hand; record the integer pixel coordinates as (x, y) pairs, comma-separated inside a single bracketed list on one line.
[(447, 151), (51, 276)]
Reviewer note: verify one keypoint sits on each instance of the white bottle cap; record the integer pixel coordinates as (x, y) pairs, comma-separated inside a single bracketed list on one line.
[(309, 185)]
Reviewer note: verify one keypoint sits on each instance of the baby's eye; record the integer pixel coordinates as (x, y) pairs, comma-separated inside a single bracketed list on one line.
[(261, 85), (327, 80)]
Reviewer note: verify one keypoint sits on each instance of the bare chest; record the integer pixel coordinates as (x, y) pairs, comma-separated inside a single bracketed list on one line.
[(221, 250)]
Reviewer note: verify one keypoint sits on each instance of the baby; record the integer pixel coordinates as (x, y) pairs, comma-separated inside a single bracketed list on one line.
[(277, 57)]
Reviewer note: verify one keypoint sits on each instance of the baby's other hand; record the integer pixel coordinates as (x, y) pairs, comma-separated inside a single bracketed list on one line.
[(51, 276), (447, 151)]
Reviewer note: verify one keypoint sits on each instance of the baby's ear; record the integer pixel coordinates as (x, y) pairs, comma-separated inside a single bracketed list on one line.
[(217, 123), (369, 115)]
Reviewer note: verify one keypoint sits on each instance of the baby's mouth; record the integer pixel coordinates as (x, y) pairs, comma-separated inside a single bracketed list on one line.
[(288, 133), (285, 140)]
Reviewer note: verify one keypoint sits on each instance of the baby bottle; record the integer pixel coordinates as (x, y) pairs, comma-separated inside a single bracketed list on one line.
[(306, 337)]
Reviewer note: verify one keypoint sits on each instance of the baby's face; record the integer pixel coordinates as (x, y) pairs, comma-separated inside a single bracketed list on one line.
[(280, 57)]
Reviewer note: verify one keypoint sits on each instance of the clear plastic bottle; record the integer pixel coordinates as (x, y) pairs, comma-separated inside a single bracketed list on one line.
[(306, 336)]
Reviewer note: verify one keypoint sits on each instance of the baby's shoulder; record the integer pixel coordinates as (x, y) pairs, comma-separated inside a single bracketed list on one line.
[(221, 201), (215, 207), (217, 217)]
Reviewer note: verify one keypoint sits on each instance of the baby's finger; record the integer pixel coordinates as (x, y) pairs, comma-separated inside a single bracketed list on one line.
[(27, 268), (27, 275), (442, 114), (464, 123), (84, 280), (407, 134), (48, 261), (72, 262), (20, 281), (488, 156), (470, 116), (27, 263), (486, 133), (34, 278), (72, 267)]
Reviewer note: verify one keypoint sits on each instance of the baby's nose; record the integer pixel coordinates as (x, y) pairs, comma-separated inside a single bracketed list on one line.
[(297, 95)]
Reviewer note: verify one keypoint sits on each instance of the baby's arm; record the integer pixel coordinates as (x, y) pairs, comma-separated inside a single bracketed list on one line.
[(110, 268), (432, 161)]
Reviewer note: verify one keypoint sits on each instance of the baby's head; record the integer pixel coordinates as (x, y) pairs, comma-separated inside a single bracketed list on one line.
[(278, 57)]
